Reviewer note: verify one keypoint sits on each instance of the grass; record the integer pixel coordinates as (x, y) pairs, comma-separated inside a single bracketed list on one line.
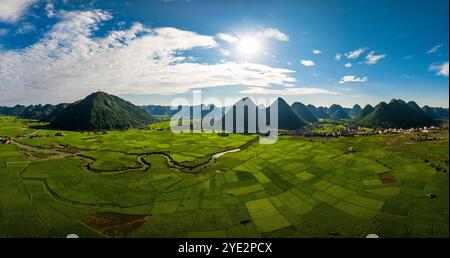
[(297, 187), (328, 128), (266, 217), (111, 160)]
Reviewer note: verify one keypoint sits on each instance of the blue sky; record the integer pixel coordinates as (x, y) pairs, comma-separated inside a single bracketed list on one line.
[(150, 52)]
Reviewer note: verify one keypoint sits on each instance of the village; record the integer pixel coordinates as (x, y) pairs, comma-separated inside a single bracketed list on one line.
[(422, 133), (8, 140), (5, 140)]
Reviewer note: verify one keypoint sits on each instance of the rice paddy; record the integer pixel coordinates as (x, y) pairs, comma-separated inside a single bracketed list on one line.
[(297, 187)]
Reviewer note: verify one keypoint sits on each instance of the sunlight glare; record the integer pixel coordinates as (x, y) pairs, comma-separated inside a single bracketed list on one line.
[(248, 46)]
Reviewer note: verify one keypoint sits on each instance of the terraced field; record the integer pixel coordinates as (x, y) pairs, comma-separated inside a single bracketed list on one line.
[(298, 187)]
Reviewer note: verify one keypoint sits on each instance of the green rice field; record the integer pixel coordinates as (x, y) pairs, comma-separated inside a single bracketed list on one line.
[(99, 185)]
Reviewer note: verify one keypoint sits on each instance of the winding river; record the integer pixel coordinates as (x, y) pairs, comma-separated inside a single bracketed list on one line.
[(143, 164)]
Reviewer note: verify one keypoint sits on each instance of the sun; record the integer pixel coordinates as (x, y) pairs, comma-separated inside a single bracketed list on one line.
[(248, 46)]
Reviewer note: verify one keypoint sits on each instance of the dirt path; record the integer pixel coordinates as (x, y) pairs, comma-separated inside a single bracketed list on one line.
[(29, 134)]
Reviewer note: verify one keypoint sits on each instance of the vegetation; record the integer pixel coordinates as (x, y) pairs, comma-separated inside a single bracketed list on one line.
[(319, 112), (367, 110), (396, 114), (101, 111), (302, 111), (287, 118), (436, 113), (38, 112), (158, 110), (337, 112), (328, 128), (355, 111), (152, 182), (391, 185)]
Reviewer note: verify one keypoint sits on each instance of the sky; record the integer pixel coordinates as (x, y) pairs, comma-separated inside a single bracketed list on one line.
[(317, 52)]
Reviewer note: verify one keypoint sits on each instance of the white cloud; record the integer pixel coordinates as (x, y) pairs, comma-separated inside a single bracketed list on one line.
[(316, 51), (3, 32), (435, 49), (224, 52), (307, 62), (263, 33), (371, 58), (440, 69), (227, 37), (406, 76), (25, 28), (68, 63), (355, 54), (408, 57), (50, 9), (348, 65), (352, 78), (338, 57), (293, 91), (12, 10), (273, 33)]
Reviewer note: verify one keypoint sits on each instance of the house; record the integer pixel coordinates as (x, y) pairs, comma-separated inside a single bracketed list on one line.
[(5, 140)]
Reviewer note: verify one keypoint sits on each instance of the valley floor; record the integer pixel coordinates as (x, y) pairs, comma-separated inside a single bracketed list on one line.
[(94, 185)]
